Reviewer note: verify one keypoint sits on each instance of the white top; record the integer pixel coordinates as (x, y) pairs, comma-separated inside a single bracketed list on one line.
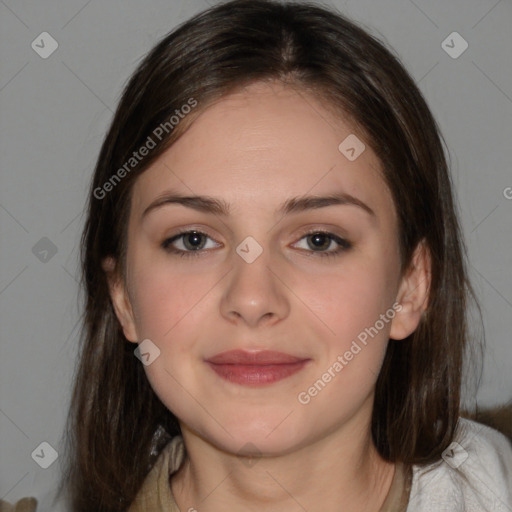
[(474, 475)]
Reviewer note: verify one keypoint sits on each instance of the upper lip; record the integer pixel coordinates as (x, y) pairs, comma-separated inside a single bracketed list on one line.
[(264, 357)]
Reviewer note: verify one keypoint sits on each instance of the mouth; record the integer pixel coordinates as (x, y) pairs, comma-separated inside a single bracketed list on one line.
[(255, 368)]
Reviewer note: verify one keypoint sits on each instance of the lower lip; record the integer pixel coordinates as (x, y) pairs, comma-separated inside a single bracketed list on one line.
[(256, 375)]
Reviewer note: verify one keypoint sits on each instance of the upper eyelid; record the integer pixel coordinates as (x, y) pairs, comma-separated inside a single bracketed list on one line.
[(314, 227), (303, 232)]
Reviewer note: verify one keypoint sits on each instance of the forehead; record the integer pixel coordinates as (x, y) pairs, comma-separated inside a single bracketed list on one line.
[(259, 145)]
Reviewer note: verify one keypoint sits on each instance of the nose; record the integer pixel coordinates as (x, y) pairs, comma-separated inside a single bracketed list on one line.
[(255, 293)]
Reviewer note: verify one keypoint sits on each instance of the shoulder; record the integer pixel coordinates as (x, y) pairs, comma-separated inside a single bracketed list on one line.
[(473, 475)]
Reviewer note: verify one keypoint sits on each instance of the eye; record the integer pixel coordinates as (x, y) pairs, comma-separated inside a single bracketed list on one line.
[(192, 242), (319, 241)]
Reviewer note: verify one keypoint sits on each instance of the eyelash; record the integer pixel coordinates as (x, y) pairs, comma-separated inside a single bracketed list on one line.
[(344, 245)]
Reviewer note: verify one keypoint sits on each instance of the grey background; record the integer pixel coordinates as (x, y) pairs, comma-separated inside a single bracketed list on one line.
[(55, 112)]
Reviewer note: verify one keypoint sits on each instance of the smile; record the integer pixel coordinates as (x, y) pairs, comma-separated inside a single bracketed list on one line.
[(255, 368)]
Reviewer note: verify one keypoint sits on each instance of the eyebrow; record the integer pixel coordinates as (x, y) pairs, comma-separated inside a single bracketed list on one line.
[(216, 206)]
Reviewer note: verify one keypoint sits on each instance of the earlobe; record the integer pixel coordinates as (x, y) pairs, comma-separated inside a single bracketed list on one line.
[(413, 294), (120, 300)]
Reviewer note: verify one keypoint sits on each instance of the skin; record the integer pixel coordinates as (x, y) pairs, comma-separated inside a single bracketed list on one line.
[(255, 149)]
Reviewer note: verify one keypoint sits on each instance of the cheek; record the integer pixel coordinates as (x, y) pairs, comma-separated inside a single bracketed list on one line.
[(170, 309), (352, 341), (348, 301), (164, 301)]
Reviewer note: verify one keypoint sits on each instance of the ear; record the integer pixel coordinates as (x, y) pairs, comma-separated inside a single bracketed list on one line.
[(413, 294), (120, 299)]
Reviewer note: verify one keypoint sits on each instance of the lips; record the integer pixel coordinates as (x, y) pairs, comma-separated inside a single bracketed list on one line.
[(255, 368)]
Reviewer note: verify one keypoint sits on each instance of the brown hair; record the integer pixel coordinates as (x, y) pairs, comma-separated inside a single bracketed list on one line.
[(117, 425)]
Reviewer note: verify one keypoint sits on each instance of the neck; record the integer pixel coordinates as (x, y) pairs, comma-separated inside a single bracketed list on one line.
[(340, 471)]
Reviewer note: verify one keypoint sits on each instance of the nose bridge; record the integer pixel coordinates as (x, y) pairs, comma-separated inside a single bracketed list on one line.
[(254, 293)]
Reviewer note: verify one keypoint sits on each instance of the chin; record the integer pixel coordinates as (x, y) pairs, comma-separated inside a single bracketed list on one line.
[(263, 436)]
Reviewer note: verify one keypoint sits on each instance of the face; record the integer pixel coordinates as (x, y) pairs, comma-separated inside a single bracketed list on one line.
[(318, 283)]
